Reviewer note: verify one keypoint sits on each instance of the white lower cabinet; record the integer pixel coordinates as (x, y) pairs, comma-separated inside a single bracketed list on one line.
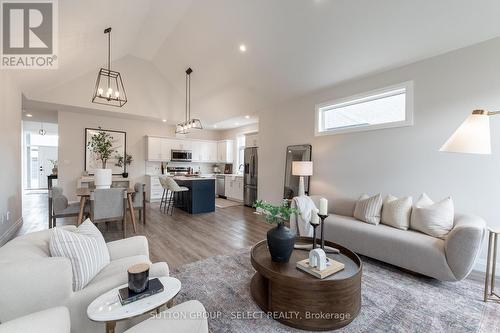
[(154, 190), (234, 188)]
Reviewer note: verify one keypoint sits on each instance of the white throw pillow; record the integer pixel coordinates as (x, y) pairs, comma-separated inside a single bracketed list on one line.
[(433, 219), (396, 212), (367, 209), (85, 248)]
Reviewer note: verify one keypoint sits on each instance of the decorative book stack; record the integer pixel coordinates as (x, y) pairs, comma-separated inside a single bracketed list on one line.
[(128, 296), (332, 267)]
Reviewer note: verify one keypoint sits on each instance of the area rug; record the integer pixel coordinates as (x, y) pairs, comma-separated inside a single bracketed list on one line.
[(392, 300), (224, 203)]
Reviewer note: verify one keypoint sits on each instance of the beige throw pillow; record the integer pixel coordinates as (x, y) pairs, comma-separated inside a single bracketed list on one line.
[(433, 219), (367, 209), (396, 212)]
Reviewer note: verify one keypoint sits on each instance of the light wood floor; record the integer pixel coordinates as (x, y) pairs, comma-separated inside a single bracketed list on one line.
[(178, 239)]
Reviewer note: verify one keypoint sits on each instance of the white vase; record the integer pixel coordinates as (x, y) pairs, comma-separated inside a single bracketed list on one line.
[(102, 178)]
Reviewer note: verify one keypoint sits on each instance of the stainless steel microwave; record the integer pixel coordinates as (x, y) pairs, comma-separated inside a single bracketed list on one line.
[(181, 155)]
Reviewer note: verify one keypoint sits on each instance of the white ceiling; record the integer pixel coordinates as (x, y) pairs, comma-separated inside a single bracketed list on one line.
[(293, 47)]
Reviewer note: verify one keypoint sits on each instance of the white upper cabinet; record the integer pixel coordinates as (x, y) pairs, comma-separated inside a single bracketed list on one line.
[(159, 149), (252, 140), (225, 151), (197, 151), (154, 149), (212, 151)]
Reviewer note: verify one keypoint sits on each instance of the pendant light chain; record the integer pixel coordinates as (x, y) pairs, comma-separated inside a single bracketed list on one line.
[(109, 53), (189, 123)]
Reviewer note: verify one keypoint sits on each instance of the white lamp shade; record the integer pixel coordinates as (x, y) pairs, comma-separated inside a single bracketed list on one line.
[(302, 168), (472, 137)]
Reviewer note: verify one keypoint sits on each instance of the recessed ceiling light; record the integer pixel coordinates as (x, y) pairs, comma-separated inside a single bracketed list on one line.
[(164, 120), (215, 126), (236, 124), (247, 117), (29, 115), (243, 48)]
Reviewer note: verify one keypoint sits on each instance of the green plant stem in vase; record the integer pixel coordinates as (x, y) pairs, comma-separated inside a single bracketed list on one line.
[(123, 162)]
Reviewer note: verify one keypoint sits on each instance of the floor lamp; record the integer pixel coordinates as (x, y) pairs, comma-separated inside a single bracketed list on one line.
[(302, 169), (473, 137)]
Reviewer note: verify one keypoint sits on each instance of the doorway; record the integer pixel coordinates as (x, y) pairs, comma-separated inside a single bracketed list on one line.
[(40, 154)]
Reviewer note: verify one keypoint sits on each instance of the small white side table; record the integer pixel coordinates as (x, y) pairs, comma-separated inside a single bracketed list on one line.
[(107, 307), (491, 260)]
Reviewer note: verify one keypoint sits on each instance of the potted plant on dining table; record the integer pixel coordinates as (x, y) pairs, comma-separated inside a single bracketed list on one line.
[(101, 144), (280, 239)]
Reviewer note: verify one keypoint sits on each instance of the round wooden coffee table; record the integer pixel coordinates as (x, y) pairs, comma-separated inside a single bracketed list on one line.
[(300, 300)]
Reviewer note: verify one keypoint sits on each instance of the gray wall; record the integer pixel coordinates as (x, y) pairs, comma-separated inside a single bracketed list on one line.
[(10, 150), (401, 161)]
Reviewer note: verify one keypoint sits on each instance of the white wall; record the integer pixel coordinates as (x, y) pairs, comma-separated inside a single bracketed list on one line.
[(401, 161), (10, 150), (148, 93), (72, 147)]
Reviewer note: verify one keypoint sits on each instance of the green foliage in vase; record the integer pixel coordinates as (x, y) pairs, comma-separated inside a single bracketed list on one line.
[(101, 144), (120, 161), (275, 214)]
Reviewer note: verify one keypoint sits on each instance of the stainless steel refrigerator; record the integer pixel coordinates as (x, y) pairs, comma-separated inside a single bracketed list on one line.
[(250, 179)]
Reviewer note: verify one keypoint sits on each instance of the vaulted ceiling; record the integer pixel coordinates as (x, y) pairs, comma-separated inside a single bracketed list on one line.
[(293, 47)]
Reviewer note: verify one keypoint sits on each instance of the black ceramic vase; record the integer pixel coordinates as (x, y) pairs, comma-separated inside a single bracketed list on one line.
[(280, 241)]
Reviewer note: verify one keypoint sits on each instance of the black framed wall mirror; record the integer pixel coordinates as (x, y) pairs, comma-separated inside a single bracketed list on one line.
[(295, 153)]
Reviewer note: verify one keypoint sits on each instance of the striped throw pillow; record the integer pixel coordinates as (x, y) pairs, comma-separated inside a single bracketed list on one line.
[(85, 248), (368, 209)]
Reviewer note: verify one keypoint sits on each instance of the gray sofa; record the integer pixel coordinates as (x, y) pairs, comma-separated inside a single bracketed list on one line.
[(449, 259)]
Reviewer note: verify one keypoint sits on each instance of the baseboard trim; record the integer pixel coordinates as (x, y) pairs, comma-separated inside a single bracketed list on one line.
[(11, 231)]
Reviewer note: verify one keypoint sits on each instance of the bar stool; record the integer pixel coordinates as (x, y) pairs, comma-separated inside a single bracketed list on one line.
[(175, 190), (164, 185)]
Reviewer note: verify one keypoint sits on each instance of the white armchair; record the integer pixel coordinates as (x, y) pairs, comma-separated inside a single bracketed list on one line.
[(188, 317), (32, 280), (54, 320)]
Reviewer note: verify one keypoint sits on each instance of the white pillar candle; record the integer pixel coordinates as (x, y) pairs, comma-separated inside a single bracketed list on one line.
[(314, 216), (323, 206)]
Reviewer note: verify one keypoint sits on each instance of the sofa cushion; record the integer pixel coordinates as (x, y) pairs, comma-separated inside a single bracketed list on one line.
[(396, 212), (409, 249), (433, 219), (115, 273), (368, 209), (85, 248)]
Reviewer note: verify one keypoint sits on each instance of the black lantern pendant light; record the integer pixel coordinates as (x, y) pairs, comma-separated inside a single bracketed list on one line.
[(109, 89), (185, 126)]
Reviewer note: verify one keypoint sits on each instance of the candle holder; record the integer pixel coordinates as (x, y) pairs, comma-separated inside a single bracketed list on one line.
[(322, 217), (314, 234)]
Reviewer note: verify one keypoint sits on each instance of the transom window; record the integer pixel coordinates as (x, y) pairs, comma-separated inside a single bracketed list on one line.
[(384, 108)]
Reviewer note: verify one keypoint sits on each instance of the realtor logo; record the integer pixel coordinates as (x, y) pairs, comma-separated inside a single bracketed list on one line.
[(29, 31)]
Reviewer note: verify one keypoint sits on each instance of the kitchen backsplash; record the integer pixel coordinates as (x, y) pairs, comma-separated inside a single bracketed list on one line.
[(154, 168)]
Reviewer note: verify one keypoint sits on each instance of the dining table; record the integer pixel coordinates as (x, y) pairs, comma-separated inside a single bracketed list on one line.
[(84, 194)]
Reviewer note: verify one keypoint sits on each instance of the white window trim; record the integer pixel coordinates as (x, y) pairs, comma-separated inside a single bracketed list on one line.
[(408, 85)]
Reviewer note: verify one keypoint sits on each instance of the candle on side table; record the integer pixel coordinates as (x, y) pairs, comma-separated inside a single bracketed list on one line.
[(314, 216), (323, 206)]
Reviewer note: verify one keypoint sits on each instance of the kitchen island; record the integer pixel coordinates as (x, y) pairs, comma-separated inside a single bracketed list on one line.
[(201, 195)]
